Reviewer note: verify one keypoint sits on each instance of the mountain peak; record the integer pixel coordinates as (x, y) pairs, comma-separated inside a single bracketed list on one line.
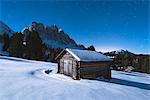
[(121, 51), (4, 29), (50, 35)]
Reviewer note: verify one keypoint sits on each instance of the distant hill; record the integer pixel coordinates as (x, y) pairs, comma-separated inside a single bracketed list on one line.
[(121, 51)]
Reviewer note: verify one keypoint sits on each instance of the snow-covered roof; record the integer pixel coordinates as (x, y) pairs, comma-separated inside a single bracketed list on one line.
[(86, 55)]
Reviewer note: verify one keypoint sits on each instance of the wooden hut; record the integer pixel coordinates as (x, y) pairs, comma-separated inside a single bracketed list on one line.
[(83, 64)]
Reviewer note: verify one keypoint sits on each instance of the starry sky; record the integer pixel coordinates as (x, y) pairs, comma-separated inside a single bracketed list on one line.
[(106, 24)]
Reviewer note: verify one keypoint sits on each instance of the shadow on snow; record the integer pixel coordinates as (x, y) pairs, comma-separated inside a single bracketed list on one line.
[(132, 74), (128, 83), (13, 59)]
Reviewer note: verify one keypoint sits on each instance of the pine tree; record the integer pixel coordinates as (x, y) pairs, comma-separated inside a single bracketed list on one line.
[(92, 48), (16, 45), (6, 42), (80, 46), (34, 46)]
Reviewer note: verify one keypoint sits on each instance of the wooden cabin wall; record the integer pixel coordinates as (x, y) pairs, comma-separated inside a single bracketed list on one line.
[(95, 69), (67, 56), (61, 66)]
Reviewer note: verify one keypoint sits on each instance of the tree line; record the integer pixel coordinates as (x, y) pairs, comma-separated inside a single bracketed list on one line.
[(30, 46), (20, 46), (140, 62)]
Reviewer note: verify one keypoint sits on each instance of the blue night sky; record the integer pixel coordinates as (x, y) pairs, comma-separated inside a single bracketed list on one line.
[(106, 24)]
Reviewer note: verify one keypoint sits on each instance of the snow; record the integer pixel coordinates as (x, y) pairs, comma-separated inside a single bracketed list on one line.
[(86, 55), (55, 44), (22, 79), (60, 30)]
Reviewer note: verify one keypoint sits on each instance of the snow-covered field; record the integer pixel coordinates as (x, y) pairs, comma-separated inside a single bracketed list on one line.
[(25, 80)]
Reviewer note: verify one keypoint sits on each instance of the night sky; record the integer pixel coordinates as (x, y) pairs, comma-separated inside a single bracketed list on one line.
[(106, 24)]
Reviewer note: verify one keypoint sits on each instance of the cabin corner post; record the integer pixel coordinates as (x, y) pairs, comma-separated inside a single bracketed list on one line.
[(78, 70), (58, 67), (61, 66), (73, 69), (108, 71)]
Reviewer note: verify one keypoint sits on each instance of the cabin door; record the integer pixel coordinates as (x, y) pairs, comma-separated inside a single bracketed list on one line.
[(68, 67)]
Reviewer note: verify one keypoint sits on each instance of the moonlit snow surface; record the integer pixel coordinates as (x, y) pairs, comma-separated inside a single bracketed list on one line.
[(26, 80)]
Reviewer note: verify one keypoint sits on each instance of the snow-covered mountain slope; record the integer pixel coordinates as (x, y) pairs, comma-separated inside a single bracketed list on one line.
[(118, 52), (5, 29), (50, 35), (26, 80)]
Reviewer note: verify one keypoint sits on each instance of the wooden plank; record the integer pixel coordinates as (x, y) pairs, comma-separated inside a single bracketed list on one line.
[(61, 66), (93, 63), (94, 71)]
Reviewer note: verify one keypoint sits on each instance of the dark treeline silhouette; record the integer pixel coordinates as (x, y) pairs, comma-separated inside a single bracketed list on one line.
[(92, 48), (30, 46), (33, 46), (141, 62), (6, 41), (16, 45)]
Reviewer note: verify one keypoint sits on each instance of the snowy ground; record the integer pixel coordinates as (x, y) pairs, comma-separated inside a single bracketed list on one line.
[(25, 80)]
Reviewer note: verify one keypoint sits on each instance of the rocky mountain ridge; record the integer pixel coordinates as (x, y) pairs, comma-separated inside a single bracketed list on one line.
[(51, 35)]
